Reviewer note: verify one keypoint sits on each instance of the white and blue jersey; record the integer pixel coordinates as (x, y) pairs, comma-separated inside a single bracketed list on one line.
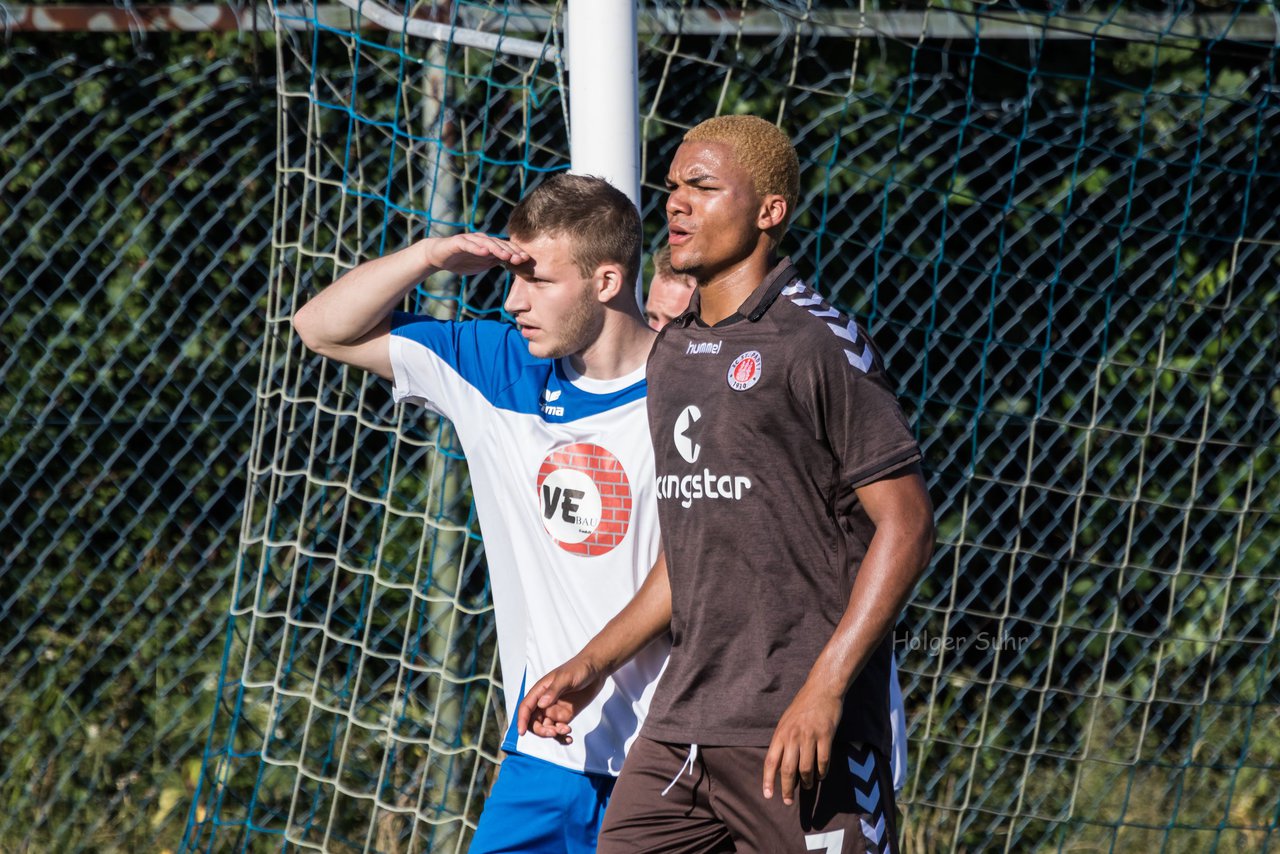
[(563, 477)]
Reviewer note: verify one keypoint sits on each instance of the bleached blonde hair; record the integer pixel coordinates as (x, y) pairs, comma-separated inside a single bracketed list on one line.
[(761, 148)]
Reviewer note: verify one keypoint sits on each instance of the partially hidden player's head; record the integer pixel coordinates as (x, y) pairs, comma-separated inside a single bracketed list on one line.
[(583, 235), (733, 185), (669, 291)]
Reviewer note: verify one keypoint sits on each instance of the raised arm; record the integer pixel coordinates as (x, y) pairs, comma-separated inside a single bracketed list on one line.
[(899, 507), (554, 700), (349, 321)]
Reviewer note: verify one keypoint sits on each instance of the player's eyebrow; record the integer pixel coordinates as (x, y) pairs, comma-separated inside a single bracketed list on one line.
[(524, 271), (695, 180)]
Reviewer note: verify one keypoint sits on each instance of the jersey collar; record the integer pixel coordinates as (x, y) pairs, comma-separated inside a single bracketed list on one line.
[(592, 386), (754, 306)]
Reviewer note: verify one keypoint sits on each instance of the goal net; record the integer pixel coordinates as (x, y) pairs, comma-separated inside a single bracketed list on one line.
[(1059, 224)]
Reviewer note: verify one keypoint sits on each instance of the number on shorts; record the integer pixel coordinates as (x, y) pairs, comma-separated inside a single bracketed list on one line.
[(829, 842)]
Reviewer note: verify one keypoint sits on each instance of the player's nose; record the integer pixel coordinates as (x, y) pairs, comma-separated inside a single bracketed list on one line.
[(677, 202), (517, 300)]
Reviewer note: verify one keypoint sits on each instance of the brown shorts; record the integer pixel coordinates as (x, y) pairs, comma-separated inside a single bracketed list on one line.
[(714, 804)]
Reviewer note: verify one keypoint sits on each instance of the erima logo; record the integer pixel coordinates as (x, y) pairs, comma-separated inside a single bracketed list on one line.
[(704, 347), (687, 448), (551, 397), (702, 485)]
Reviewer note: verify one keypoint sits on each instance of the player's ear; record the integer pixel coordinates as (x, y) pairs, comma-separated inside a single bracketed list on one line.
[(773, 212), (609, 281)]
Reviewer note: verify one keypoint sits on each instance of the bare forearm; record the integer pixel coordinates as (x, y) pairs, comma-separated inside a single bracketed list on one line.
[(351, 307), (899, 508), (644, 618), (552, 702), (895, 559)]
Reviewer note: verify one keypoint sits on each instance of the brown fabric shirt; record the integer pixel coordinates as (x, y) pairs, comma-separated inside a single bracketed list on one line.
[(762, 427)]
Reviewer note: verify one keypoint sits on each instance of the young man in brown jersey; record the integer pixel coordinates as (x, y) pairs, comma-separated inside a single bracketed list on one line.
[(795, 524)]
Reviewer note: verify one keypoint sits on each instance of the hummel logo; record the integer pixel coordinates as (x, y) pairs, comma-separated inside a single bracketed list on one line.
[(863, 362), (849, 331), (697, 349), (552, 396)]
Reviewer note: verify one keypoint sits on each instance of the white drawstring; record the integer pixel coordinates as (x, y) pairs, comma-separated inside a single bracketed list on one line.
[(688, 763)]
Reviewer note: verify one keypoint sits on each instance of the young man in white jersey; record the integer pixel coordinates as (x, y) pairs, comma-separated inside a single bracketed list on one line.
[(551, 415)]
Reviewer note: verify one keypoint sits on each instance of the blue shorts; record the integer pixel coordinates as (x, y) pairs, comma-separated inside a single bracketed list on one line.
[(536, 806)]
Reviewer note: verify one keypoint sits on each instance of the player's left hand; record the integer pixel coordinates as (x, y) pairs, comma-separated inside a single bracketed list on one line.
[(801, 744)]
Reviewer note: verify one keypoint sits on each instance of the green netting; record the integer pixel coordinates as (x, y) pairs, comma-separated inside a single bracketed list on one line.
[(358, 706)]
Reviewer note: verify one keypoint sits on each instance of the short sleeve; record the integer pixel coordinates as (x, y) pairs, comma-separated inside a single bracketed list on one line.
[(855, 413), (446, 364)]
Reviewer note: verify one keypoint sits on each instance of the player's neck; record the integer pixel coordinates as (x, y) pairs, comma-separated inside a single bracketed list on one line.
[(621, 348), (724, 291)]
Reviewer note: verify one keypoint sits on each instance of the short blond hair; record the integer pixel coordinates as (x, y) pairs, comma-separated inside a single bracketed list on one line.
[(761, 148), (662, 263)]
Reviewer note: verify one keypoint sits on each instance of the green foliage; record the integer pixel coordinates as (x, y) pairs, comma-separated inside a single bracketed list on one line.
[(134, 221)]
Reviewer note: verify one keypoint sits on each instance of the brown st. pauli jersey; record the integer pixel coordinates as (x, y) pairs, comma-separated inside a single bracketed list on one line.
[(763, 427)]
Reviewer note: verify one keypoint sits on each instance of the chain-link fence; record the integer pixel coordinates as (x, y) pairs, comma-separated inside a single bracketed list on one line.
[(137, 187)]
